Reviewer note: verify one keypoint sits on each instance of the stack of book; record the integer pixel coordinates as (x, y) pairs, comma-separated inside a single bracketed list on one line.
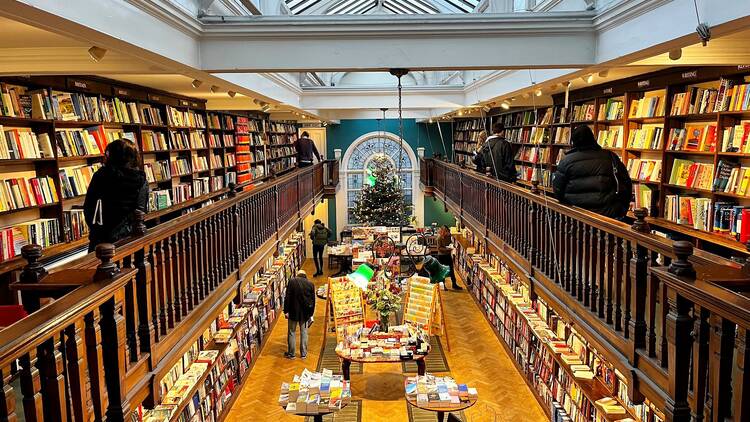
[(22, 143), (401, 342), (153, 141), (646, 107), (689, 174), (644, 170), (611, 110), (315, 392), (23, 192), (437, 392), (647, 137)]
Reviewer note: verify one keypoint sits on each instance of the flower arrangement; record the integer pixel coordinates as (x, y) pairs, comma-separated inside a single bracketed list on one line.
[(384, 302)]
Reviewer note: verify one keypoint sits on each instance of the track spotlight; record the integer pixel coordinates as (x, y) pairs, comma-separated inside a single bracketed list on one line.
[(430, 119), (97, 53), (588, 78), (304, 117), (214, 88), (505, 105), (604, 73), (486, 108), (675, 54), (460, 112), (513, 98), (231, 93), (196, 83), (538, 93), (256, 101), (265, 108), (526, 95)]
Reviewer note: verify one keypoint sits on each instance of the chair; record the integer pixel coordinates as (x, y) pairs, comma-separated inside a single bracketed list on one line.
[(10, 314)]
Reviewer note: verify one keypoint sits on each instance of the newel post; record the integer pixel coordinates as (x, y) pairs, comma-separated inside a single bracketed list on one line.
[(640, 224), (139, 223), (107, 269), (534, 186), (34, 271), (679, 333)]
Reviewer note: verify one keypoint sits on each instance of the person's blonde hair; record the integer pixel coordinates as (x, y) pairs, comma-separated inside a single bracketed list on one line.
[(482, 139)]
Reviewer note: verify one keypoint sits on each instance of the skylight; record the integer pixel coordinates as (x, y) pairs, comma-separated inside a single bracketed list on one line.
[(363, 7)]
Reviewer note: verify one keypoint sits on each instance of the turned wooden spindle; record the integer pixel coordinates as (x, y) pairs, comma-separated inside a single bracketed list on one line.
[(139, 223), (107, 269), (680, 266), (232, 190), (488, 171), (640, 224), (34, 271)]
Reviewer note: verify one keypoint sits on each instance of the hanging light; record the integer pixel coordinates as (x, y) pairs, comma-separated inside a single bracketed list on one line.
[(97, 53), (196, 83), (362, 276)]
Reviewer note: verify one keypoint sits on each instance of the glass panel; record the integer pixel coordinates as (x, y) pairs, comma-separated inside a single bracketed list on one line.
[(354, 180), (351, 196)]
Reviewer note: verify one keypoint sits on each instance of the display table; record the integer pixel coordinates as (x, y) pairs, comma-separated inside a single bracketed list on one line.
[(441, 408), (318, 416), (346, 362)]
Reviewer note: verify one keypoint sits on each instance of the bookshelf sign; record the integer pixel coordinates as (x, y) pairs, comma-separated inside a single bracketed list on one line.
[(184, 103), (743, 67), (690, 75), (607, 90), (644, 84), (80, 84), (194, 105)]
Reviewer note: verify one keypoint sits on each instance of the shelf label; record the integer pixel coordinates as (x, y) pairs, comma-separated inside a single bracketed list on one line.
[(194, 105), (643, 84), (155, 98), (123, 92), (80, 84), (607, 91), (690, 75), (184, 103), (743, 67)]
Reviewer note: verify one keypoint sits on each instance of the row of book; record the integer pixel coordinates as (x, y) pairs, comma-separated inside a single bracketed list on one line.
[(583, 112), (216, 161), (610, 138), (246, 125), (281, 152), (183, 140), (613, 109), (734, 138), (644, 170), (80, 142), (468, 136), (691, 174), (23, 192), (43, 231), (252, 138), (216, 140), (250, 156), (74, 181), (277, 139), (157, 171), (646, 137), (726, 218), (732, 178), (154, 141), (470, 125), (693, 138), (533, 154), (21, 144), (185, 118), (651, 106), (200, 163)]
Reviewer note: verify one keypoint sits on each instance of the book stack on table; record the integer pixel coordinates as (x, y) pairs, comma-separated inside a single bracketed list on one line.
[(315, 392), (400, 342), (438, 392)]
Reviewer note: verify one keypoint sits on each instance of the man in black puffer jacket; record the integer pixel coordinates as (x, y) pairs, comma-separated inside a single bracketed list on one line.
[(592, 178)]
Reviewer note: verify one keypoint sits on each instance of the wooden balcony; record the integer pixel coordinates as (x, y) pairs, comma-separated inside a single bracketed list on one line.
[(121, 317), (674, 320)]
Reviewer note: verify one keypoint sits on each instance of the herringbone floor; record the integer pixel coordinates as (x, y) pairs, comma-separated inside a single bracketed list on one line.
[(476, 358)]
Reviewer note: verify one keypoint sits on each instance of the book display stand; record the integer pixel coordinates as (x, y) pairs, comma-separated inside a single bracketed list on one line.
[(440, 395), (345, 305), (423, 307)]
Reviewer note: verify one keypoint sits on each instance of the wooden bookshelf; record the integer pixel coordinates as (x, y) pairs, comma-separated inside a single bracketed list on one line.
[(642, 138), (466, 134), (122, 110)]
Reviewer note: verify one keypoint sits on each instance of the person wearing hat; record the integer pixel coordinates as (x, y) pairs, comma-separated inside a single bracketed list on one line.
[(299, 308), (593, 178)]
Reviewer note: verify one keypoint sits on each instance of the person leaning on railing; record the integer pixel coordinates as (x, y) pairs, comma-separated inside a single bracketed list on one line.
[(497, 154), (116, 191), (592, 178), (305, 149)]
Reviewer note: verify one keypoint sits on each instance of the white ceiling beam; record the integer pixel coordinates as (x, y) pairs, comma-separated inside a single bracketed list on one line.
[(346, 43), (375, 98)]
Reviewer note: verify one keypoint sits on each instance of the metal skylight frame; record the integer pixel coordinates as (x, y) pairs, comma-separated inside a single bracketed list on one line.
[(399, 7)]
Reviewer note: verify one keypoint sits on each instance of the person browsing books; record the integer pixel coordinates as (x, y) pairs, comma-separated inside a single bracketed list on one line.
[(444, 249), (319, 236), (497, 154), (592, 178), (299, 308), (116, 191), (305, 150)]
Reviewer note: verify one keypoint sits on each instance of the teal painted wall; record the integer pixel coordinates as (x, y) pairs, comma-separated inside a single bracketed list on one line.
[(434, 212), (417, 135)]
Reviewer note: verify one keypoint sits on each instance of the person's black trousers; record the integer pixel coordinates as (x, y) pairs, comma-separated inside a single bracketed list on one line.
[(318, 258), (447, 259)]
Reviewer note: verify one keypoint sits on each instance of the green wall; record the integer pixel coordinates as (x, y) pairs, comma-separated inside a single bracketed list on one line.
[(427, 136), (434, 212)]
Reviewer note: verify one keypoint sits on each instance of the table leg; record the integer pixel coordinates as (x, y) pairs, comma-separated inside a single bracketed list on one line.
[(345, 368), (440, 416), (421, 367)]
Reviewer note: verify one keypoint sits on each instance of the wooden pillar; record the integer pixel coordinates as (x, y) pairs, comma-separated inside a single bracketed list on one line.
[(113, 354), (679, 340)]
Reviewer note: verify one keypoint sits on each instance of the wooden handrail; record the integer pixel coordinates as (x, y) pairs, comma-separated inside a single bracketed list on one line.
[(630, 292)]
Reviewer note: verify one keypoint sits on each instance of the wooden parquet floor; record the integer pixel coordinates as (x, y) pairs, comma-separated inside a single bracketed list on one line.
[(476, 358)]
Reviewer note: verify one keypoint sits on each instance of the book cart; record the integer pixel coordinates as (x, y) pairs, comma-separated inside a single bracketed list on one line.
[(567, 375), (423, 307), (681, 132)]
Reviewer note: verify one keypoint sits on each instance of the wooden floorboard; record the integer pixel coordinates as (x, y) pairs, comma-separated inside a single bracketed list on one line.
[(476, 358)]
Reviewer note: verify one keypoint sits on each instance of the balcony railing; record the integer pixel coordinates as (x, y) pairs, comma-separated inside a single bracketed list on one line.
[(672, 319), (120, 319)]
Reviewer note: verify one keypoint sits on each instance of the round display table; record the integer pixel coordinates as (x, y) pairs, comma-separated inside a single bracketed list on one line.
[(346, 362), (318, 416), (441, 410)]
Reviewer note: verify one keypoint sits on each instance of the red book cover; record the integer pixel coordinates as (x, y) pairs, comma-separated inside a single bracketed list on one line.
[(710, 142), (691, 175), (37, 191), (745, 226)]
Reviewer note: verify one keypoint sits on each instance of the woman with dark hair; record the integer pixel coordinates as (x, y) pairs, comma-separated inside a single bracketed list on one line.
[(116, 191), (444, 252), (592, 178)]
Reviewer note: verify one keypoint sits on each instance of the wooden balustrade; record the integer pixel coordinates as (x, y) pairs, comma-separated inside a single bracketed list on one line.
[(100, 349), (674, 320)]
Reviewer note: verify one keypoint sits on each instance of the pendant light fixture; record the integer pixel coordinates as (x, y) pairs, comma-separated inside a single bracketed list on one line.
[(400, 73)]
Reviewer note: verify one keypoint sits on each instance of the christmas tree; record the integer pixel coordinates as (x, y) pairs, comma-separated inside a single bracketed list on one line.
[(382, 201)]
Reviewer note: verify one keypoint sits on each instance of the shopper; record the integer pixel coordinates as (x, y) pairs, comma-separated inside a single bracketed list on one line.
[(305, 150), (299, 308), (116, 191), (481, 139), (592, 178), (445, 249), (319, 236), (497, 155)]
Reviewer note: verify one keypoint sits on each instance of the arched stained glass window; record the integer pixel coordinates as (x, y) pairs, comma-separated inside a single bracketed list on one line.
[(361, 156)]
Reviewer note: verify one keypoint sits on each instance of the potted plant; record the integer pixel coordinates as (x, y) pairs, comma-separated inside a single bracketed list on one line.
[(384, 302)]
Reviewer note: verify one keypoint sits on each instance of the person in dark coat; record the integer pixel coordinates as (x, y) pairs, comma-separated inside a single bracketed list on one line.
[(116, 191), (305, 150), (444, 256), (497, 154), (319, 236), (299, 308), (592, 178)]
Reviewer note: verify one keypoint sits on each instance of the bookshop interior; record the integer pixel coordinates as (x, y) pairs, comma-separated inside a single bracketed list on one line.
[(375, 210)]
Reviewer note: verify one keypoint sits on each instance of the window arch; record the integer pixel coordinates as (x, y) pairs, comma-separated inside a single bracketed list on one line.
[(358, 157)]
